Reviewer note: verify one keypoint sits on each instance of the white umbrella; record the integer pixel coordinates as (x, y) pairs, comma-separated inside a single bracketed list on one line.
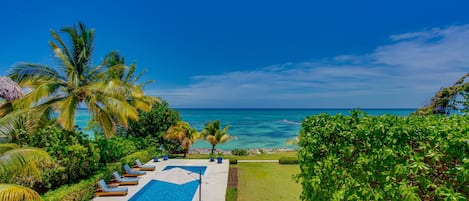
[(177, 176)]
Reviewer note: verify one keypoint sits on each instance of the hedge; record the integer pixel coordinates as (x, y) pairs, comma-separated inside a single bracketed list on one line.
[(84, 190), (288, 160), (362, 157), (233, 161)]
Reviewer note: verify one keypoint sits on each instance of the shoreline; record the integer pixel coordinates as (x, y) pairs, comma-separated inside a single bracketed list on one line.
[(254, 151)]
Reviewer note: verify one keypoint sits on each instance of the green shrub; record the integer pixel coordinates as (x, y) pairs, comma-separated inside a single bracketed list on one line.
[(111, 150), (233, 161), (76, 156), (240, 152), (143, 156), (288, 160), (361, 157), (80, 191), (154, 123)]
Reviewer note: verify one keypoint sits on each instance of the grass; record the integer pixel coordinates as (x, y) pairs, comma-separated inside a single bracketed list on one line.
[(272, 156), (267, 182), (231, 194)]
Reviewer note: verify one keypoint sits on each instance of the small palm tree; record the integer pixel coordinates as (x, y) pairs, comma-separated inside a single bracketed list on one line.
[(214, 134), (183, 133), (111, 100), (17, 162)]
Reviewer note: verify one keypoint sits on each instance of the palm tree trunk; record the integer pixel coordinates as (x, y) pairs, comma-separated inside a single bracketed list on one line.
[(213, 148)]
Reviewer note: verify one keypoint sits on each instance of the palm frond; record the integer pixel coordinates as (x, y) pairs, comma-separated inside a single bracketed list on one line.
[(41, 91), (7, 147), (22, 71), (224, 138), (62, 44), (23, 162), (68, 109), (104, 119), (13, 192)]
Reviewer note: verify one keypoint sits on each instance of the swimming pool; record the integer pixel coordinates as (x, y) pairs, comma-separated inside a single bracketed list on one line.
[(169, 191)]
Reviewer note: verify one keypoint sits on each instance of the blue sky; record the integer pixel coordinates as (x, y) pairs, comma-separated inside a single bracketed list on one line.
[(262, 54)]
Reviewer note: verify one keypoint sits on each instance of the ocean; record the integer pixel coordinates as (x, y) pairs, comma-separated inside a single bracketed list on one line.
[(255, 128)]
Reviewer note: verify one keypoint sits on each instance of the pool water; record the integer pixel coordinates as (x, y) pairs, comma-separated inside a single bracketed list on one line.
[(167, 191), (194, 169)]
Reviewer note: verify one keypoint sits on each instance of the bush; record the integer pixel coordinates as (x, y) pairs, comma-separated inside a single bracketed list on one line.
[(288, 160), (76, 156), (80, 191), (143, 156), (111, 150), (233, 161), (154, 123), (361, 157), (240, 152)]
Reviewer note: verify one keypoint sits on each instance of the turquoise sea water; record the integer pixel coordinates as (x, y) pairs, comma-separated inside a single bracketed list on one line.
[(256, 128)]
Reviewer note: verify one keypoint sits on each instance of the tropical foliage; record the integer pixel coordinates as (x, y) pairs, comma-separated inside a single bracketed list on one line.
[(214, 134), (362, 157), (154, 123), (75, 154), (19, 163), (13, 192), (449, 99), (182, 133), (108, 90)]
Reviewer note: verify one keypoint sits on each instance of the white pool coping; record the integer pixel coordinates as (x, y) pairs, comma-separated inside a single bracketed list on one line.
[(214, 181)]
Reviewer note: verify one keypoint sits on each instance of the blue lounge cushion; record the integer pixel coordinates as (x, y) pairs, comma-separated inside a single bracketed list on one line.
[(118, 178), (130, 171), (120, 189), (140, 165), (102, 184)]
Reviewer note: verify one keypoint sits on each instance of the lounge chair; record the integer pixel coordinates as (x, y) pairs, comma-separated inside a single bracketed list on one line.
[(140, 166), (124, 180), (132, 173), (105, 190)]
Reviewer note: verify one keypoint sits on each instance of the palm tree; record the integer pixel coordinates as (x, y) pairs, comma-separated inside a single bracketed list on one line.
[(214, 135), (116, 69), (184, 134), (75, 81), (18, 162)]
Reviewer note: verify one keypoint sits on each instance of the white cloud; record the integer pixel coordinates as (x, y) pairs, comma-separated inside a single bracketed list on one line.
[(404, 73)]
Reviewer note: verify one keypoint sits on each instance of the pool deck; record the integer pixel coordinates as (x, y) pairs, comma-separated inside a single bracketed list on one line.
[(214, 181)]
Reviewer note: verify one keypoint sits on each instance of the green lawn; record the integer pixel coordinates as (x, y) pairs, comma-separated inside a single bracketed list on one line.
[(267, 182)]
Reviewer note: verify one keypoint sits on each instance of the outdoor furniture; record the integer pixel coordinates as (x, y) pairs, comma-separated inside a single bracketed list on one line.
[(105, 190), (140, 166), (124, 180), (132, 173)]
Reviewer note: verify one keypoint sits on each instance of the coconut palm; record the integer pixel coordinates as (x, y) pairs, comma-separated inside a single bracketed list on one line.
[(16, 162), (75, 81), (214, 134), (116, 69), (184, 134)]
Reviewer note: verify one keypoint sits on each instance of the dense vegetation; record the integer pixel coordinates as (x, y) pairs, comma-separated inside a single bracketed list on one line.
[(362, 157)]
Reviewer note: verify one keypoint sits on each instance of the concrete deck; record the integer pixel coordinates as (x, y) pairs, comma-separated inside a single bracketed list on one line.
[(214, 181)]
